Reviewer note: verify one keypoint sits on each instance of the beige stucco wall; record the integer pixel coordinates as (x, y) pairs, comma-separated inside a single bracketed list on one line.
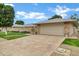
[(52, 29), (71, 29)]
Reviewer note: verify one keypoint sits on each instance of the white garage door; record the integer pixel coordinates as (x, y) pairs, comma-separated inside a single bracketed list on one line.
[(52, 29)]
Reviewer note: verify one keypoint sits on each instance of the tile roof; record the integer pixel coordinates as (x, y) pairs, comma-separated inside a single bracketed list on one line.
[(56, 21)]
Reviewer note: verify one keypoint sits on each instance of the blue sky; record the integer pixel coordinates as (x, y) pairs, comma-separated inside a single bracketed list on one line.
[(36, 12)]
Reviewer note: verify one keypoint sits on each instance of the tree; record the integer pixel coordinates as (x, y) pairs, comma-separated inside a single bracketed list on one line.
[(74, 16), (19, 22), (55, 16), (7, 15)]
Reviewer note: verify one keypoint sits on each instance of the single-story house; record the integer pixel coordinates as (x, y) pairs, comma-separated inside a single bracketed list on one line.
[(57, 27)]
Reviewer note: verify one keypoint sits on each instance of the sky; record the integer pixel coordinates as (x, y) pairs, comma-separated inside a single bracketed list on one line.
[(36, 12)]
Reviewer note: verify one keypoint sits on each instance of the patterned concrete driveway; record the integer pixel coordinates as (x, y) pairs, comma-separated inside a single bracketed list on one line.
[(33, 45), (74, 50)]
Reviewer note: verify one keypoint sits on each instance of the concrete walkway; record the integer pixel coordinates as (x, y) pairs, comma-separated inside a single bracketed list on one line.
[(74, 50), (33, 45)]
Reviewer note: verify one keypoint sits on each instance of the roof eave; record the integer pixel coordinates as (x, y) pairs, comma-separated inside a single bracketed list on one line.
[(55, 22)]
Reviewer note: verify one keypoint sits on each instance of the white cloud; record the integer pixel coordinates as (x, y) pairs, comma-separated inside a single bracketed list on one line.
[(75, 9), (59, 10), (63, 15), (62, 10), (22, 13), (9, 4), (30, 15)]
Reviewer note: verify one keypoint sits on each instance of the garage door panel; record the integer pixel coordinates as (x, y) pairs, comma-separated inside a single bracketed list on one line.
[(52, 29)]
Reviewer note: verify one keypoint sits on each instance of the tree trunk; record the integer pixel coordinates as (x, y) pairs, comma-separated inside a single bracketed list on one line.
[(4, 29)]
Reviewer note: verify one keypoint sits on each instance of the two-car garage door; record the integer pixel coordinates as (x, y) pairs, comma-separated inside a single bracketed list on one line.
[(52, 29)]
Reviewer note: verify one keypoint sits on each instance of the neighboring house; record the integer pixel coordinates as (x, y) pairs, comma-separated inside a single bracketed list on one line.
[(57, 27), (21, 28)]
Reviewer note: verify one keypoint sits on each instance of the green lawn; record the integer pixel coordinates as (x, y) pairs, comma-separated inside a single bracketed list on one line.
[(12, 35), (73, 42)]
